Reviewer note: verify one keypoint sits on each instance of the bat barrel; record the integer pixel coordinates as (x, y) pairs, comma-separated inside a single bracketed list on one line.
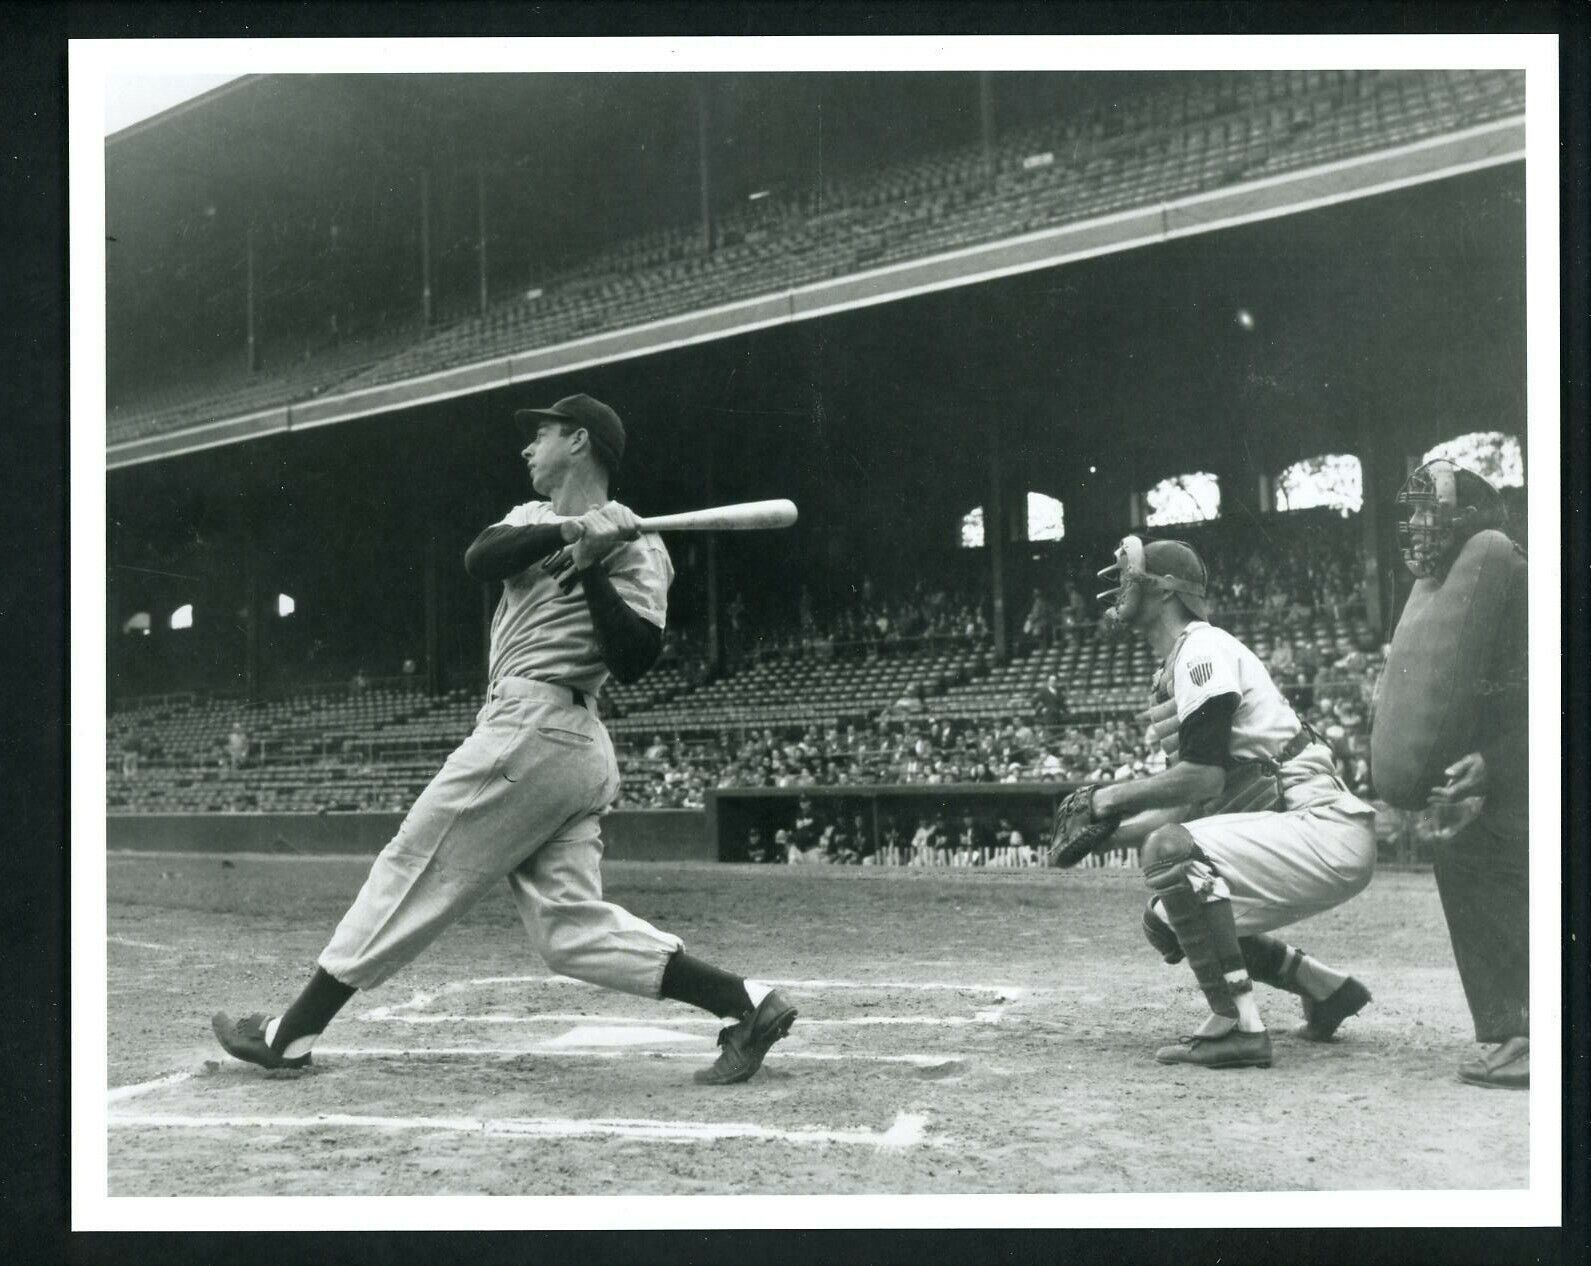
[(746, 516)]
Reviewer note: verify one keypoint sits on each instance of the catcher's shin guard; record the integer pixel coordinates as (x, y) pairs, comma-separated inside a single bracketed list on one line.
[(1159, 934), (1199, 910)]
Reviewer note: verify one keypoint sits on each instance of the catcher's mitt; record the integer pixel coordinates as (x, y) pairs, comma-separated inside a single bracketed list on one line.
[(1075, 832)]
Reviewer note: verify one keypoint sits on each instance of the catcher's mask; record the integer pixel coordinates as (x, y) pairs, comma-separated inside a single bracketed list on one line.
[(1438, 508), (1169, 566)]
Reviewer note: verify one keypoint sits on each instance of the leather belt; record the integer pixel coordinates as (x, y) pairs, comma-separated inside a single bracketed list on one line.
[(530, 688), (1295, 746), (1305, 738)]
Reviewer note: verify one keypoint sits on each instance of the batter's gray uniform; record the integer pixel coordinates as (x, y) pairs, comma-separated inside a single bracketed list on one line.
[(521, 798), (1277, 867)]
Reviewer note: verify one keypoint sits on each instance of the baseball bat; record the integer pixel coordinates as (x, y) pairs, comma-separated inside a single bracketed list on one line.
[(744, 516)]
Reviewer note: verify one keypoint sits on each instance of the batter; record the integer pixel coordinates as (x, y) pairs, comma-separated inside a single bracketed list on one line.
[(1221, 881), (585, 596)]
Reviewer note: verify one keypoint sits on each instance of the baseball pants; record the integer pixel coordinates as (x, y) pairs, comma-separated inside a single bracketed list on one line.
[(519, 800), (1281, 867), (1483, 878)]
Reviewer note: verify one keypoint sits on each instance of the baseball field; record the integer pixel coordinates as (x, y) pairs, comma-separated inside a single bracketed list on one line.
[(960, 1031)]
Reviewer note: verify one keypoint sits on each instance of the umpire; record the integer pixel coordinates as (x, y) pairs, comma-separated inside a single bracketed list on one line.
[(1464, 631)]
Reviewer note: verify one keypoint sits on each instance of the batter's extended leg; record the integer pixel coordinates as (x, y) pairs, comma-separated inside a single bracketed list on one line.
[(578, 934)]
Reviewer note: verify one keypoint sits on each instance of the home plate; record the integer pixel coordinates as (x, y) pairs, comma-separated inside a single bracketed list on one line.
[(601, 1036)]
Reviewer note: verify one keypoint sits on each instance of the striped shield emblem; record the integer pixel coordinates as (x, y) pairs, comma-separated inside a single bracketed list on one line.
[(1200, 671)]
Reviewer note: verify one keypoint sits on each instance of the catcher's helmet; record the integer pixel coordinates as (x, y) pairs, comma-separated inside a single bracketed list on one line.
[(1170, 566), (1431, 522)]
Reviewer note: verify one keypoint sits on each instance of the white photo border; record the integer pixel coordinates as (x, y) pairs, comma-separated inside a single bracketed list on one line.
[(91, 63)]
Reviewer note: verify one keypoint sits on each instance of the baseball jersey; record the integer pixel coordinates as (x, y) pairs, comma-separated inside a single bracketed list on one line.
[(1211, 662), (542, 627)]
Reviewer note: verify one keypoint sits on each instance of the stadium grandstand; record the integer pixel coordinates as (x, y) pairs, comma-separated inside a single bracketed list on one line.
[(1187, 139), (1217, 306)]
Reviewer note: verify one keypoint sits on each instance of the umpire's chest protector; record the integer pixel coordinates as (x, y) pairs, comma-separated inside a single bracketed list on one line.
[(1443, 660)]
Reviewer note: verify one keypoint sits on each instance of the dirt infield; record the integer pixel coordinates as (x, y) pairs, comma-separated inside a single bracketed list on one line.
[(959, 1032)]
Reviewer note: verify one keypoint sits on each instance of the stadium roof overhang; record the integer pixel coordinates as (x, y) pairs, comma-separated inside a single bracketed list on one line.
[(1362, 176)]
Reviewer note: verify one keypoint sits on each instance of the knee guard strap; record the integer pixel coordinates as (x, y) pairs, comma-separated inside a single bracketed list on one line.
[(1159, 934)]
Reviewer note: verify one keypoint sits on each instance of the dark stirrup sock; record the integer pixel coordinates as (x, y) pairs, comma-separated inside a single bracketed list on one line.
[(687, 979), (312, 1010), (1272, 961)]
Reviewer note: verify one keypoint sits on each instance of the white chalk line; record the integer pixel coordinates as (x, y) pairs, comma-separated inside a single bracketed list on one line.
[(385, 1016), (122, 1093), (148, 945), (547, 1051), (584, 1042), (953, 986), (907, 1130), (1004, 994), (394, 1015)]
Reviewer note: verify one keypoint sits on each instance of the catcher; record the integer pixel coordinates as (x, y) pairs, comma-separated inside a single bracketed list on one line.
[(1248, 829)]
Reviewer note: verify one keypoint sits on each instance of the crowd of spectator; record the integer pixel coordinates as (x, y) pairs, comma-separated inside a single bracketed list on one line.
[(1289, 585), (869, 618), (1049, 614), (1286, 572), (676, 772), (1270, 575), (917, 750)]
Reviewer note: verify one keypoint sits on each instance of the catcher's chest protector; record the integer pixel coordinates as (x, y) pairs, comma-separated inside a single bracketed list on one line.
[(1164, 730), (1251, 786), (1442, 668)]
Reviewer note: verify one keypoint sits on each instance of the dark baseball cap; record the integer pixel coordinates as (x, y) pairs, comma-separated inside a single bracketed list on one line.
[(600, 422), (1179, 562)]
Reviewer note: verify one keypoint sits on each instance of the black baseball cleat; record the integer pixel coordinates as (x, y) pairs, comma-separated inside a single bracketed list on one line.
[(1234, 1049), (1506, 1068), (245, 1039), (1322, 1019), (743, 1045)]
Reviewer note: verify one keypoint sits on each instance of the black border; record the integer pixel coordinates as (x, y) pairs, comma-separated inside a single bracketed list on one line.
[(34, 893)]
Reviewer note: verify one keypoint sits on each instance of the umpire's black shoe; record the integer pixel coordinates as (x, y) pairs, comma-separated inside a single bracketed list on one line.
[(1233, 1049), (743, 1045), (245, 1039), (1322, 1019)]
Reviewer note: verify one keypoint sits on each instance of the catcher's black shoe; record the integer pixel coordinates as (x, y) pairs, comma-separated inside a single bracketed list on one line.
[(743, 1045), (1506, 1068), (1234, 1049), (245, 1039), (1322, 1019)]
